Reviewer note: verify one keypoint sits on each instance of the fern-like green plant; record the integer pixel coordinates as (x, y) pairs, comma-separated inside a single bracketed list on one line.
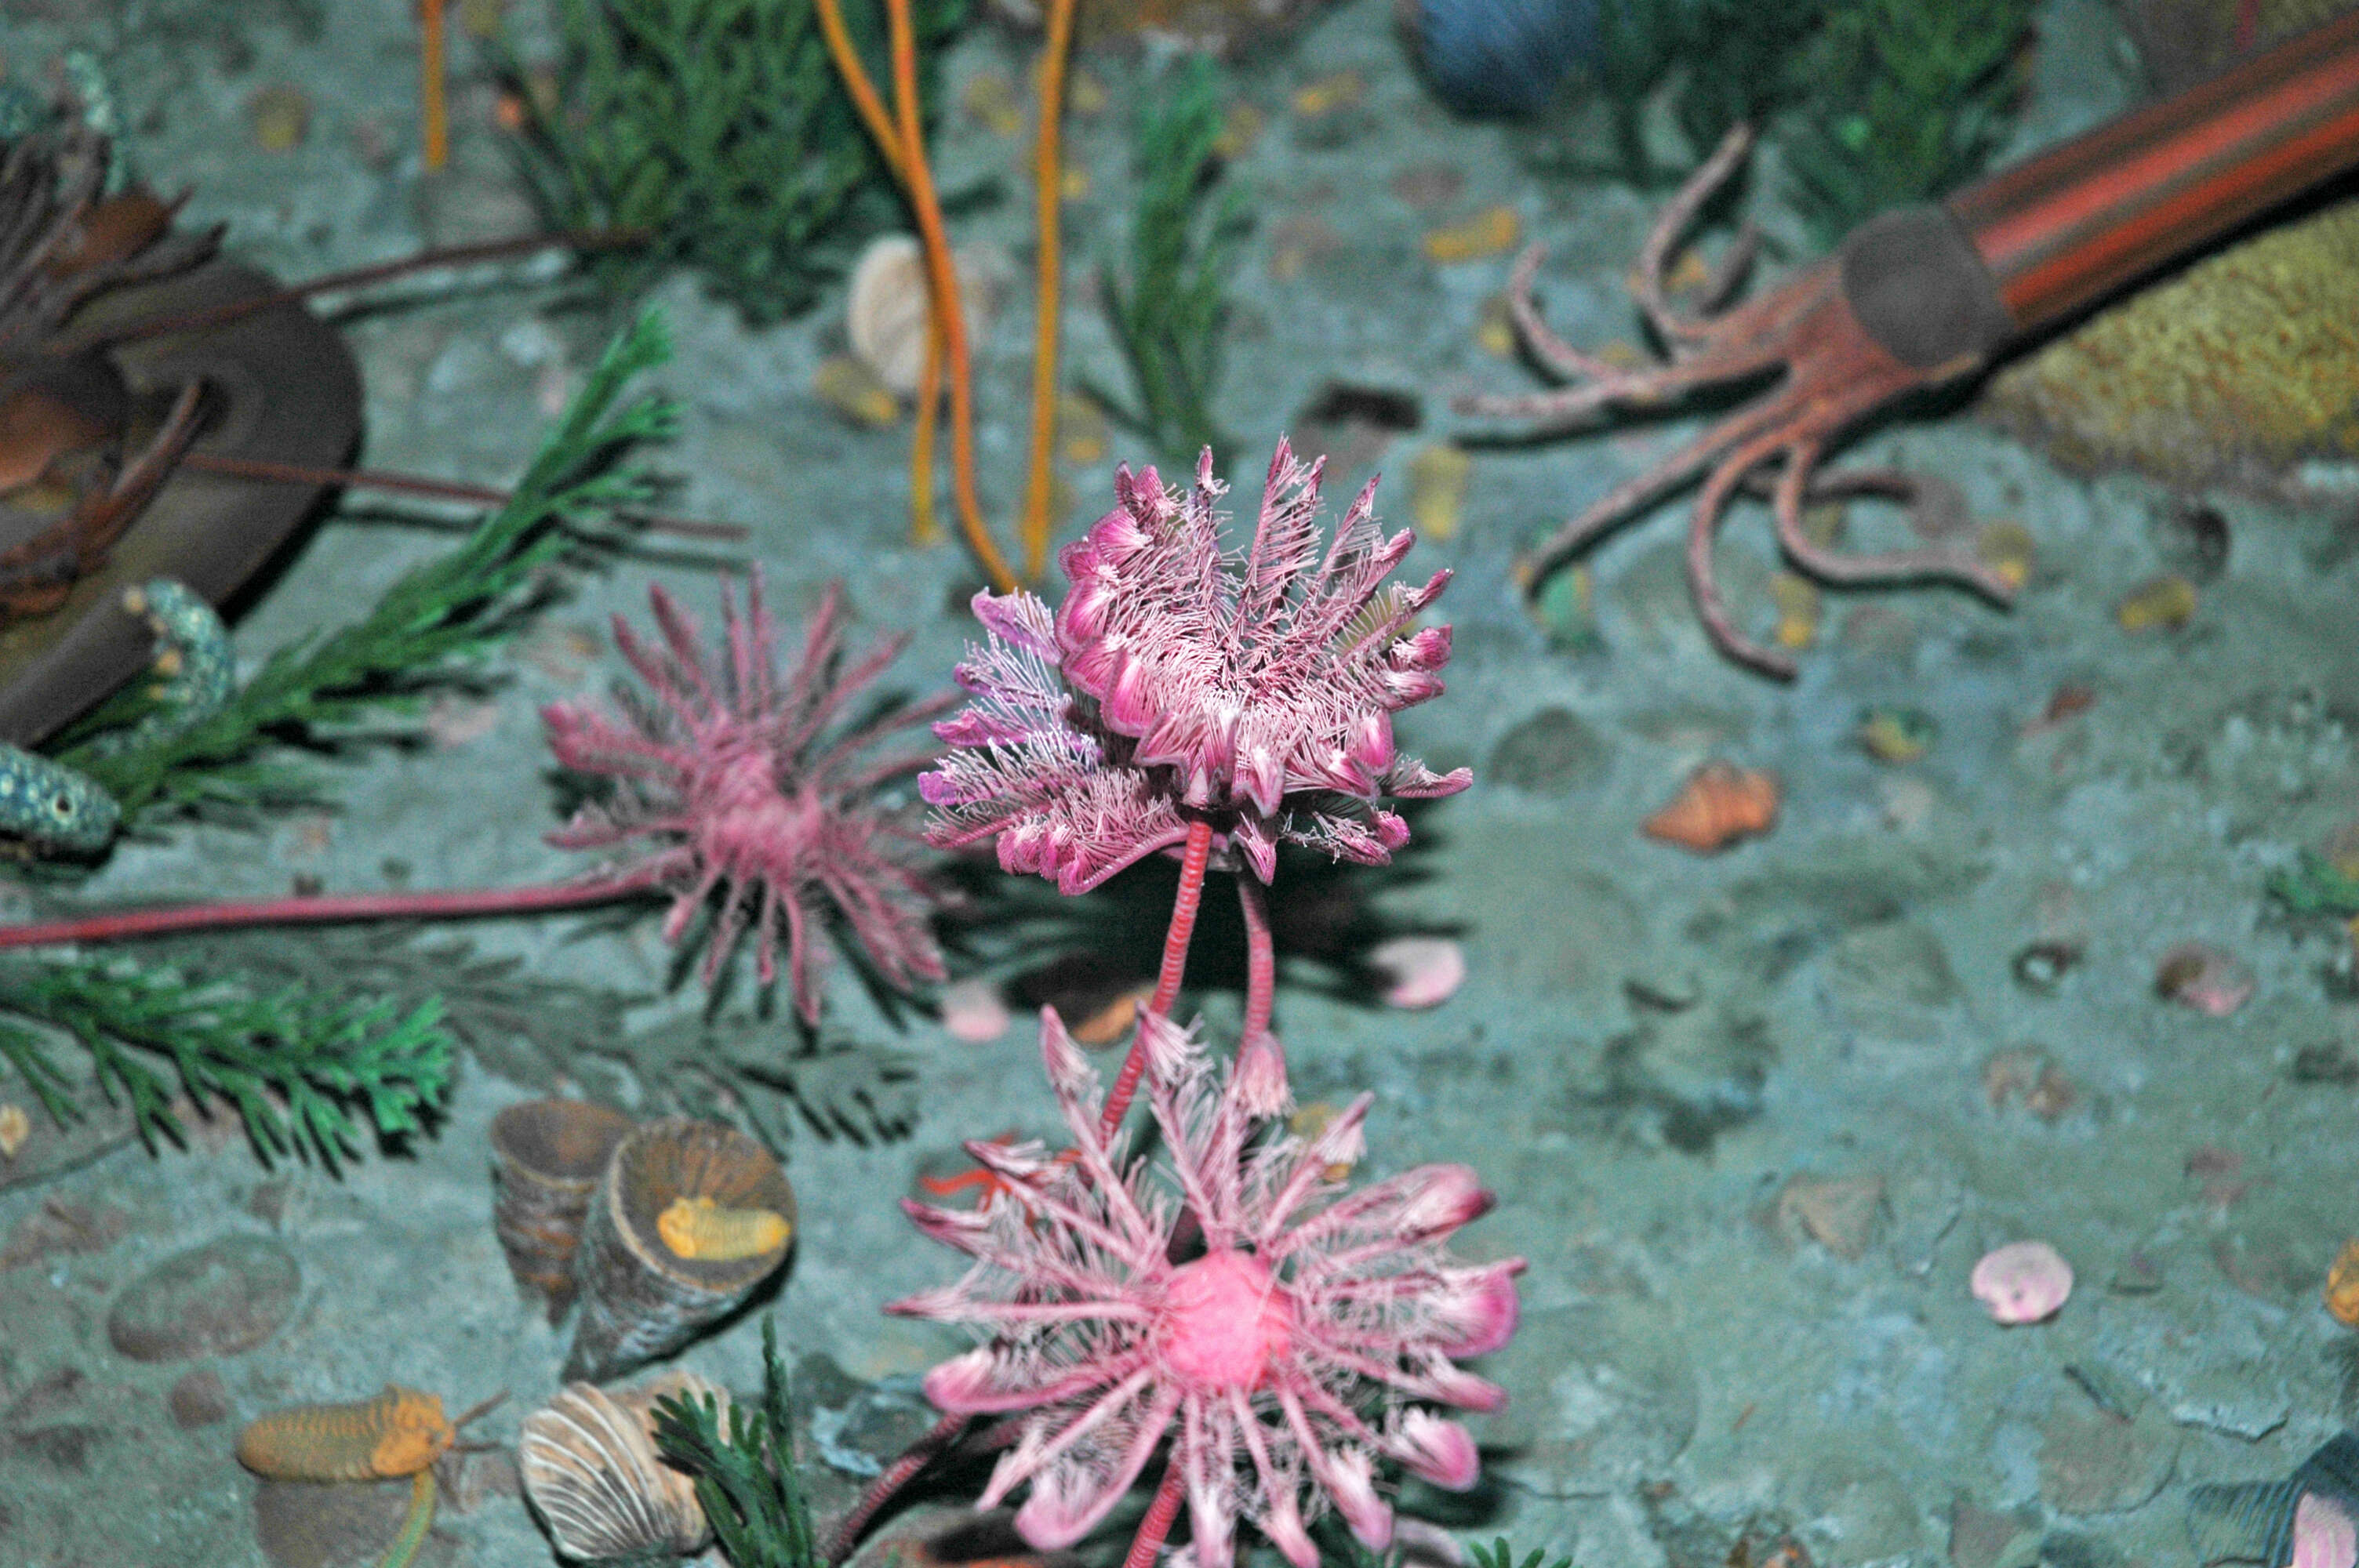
[(1498, 1554), (430, 627), (304, 1071), (719, 127), (1911, 102), (2316, 887), (1168, 304), (744, 1467)]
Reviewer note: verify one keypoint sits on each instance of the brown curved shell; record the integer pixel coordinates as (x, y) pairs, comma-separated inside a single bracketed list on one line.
[(640, 1299), (887, 313), (284, 387), (547, 1158), (591, 1467)]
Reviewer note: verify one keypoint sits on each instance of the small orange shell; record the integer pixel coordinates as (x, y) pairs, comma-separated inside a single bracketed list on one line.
[(699, 1229), (2343, 1286), (400, 1433), (1721, 803)]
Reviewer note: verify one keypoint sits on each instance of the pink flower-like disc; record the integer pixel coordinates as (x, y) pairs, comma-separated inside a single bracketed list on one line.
[(2323, 1534), (2024, 1281)]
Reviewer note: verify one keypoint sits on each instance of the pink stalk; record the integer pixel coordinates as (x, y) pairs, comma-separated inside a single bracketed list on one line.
[(898, 1475), (1175, 964), (1261, 956), (1158, 1522), (445, 904)]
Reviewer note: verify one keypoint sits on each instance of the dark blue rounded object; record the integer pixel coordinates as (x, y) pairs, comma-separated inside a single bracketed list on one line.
[(1500, 58)]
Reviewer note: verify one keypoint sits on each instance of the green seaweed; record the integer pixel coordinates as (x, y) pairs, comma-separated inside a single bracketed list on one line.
[(721, 128), (1720, 61), (1911, 102), (2316, 887), (1498, 1554), (744, 1467), (431, 628), (301, 1069), (1168, 304)]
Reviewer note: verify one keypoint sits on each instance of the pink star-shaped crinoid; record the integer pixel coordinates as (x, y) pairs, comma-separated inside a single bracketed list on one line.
[(1307, 1332), (1256, 693), (743, 779)]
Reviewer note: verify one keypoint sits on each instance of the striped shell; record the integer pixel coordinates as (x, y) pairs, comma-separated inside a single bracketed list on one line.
[(590, 1469)]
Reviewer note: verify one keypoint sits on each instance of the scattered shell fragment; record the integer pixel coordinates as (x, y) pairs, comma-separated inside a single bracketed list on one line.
[(852, 390), (1111, 1022), (2324, 1535), (974, 1011), (1299, 241), (2203, 977), (1719, 803), (989, 99), (2026, 1073), (1566, 608), (1241, 127), (280, 116), (2005, 547), (1437, 489), (1493, 232), (2024, 1281), (1082, 430), (1338, 90), (887, 311), (2343, 1286), (2164, 601), (1494, 326), (591, 1471), (1896, 734), (1085, 94), (1796, 599), (1420, 971), (702, 1230), (1840, 1213), (14, 1127)]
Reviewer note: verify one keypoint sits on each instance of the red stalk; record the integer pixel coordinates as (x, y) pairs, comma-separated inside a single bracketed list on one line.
[(1261, 956), (1157, 1525), (898, 1475), (446, 904), (1192, 860)]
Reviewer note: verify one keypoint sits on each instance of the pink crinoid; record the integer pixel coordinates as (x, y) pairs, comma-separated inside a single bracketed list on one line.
[(1306, 1334), (743, 779), (1178, 681)]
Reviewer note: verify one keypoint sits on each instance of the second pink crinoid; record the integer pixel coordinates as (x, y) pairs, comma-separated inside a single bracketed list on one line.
[(758, 782), (1284, 1333)]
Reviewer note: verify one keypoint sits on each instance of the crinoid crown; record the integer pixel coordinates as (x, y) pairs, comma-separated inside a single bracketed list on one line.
[(1301, 1334), (1178, 681), (748, 779)]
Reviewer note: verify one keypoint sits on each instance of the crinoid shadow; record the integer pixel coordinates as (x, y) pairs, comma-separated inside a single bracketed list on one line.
[(1085, 955)]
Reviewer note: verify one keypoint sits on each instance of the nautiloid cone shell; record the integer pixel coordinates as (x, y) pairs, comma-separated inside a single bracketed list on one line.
[(692, 1216), (548, 1156)]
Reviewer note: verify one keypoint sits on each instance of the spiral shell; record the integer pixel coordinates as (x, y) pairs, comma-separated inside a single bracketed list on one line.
[(591, 1466), (640, 1297)]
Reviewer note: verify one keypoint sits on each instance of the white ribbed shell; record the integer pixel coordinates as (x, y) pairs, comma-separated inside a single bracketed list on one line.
[(590, 1467)]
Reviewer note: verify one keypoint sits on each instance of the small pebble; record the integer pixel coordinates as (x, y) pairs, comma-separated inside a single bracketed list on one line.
[(1493, 232), (973, 1012), (1796, 599), (1437, 489), (1895, 735), (1339, 90), (14, 1127), (2005, 546), (2343, 1286), (220, 1299), (989, 99), (1838, 1215), (1424, 971), (2164, 601), (2024, 1282), (1494, 326), (853, 391), (197, 1400), (280, 116), (2205, 978)]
